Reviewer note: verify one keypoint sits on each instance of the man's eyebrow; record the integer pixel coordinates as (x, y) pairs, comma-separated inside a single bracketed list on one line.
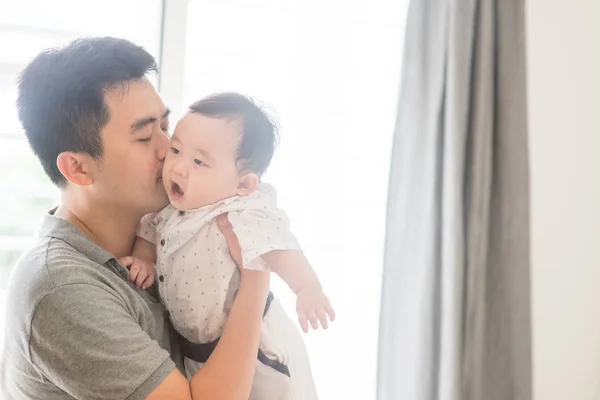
[(143, 122)]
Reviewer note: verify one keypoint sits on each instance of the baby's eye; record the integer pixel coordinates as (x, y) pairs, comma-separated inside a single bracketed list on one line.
[(174, 150), (198, 162)]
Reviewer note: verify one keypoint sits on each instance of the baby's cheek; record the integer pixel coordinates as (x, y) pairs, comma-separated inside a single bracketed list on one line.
[(202, 193), (211, 191)]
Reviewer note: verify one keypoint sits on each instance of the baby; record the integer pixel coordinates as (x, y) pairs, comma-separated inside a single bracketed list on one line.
[(219, 151)]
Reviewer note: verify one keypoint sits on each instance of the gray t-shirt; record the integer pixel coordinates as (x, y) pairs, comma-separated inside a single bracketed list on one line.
[(77, 329)]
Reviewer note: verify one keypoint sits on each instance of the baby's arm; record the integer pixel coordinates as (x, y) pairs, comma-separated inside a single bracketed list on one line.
[(141, 263), (144, 249), (311, 304), (143, 256)]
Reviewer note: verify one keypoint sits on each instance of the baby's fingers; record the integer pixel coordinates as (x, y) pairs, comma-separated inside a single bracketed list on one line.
[(134, 270), (141, 277), (312, 317), (303, 321), (126, 261), (148, 281), (322, 318), (330, 311)]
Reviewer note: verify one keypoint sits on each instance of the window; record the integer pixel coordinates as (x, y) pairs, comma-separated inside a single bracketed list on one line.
[(26, 28), (330, 70)]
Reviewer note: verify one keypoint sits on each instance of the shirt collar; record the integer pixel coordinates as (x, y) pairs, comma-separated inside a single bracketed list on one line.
[(53, 226)]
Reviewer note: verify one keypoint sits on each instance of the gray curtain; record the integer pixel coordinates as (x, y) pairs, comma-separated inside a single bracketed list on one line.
[(455, 314)]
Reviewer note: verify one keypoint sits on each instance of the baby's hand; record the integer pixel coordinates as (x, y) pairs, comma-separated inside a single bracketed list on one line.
[(141, 272), (312, 305)]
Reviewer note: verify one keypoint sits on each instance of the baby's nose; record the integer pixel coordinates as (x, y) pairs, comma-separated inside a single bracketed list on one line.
[(181, 169)]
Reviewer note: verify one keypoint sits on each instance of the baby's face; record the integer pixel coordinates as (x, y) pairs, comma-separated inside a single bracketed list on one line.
[(200, 166)]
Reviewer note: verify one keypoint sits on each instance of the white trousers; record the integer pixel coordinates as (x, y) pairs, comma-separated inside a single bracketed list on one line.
[(282, 343)]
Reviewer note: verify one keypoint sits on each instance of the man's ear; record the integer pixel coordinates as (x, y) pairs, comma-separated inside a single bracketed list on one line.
[(248, 182), (75, 167)]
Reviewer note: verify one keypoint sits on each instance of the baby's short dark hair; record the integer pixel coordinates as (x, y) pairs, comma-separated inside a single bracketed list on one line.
[(259, 130)]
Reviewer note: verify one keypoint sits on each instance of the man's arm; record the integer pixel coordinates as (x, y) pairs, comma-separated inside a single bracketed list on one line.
[(85, 340), (229, 371)]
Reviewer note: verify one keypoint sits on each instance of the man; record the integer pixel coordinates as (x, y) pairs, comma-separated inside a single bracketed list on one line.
[(75, 327)]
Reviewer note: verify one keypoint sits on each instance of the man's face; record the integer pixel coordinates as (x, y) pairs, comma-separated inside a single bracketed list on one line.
[(135, 140)]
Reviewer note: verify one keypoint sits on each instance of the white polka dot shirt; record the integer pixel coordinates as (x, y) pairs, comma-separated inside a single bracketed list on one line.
[(197, 279)]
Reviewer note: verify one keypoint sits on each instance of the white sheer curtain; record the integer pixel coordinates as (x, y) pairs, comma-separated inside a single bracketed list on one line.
[(330, 70)]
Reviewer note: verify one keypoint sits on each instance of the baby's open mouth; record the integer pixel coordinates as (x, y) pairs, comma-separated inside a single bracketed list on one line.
[(176, 190)]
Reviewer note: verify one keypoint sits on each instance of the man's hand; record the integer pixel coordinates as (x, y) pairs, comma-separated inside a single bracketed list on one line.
[(141, 272), (312, 305), (232, 241), (256, 280)]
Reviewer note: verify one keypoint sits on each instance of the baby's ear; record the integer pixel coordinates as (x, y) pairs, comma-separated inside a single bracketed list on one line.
[(248, 183)]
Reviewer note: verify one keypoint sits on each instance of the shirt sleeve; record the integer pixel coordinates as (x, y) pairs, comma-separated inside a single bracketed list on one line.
[(85, 341), (147, 228), (260, 228)]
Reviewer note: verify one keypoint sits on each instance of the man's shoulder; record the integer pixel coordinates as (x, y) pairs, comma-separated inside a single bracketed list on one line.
[(61, 300), (49, 266), (50, 263)]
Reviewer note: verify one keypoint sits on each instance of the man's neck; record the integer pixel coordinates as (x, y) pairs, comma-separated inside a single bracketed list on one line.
[(111, 230)]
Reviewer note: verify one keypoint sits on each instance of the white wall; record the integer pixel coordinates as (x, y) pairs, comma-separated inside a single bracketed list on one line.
[(564, 109)]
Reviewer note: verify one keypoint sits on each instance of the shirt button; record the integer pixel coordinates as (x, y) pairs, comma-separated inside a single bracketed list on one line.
[(181, 213), (161, 278), (162, 242)]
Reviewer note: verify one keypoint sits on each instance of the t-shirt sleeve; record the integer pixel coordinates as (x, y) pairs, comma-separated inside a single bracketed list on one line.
[(260, 228), (147, 228), (85, 341)]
